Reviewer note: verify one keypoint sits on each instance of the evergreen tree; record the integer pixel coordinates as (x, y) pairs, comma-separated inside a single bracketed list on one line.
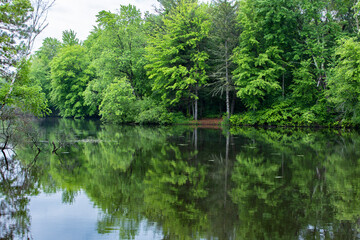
[(224, 38), (69, 38), (344, 83), (259, 62), (167, 5)]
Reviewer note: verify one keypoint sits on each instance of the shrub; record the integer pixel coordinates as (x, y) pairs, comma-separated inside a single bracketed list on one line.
[(118, 105), (152, 112)]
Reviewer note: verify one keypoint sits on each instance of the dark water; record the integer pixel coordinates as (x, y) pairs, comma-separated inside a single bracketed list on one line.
[(93, 181)]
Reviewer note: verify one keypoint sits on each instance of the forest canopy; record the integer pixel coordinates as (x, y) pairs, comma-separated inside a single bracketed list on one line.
[(258, 62)]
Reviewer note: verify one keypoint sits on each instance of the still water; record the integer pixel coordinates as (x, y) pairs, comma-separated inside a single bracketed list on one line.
[(93, 181)]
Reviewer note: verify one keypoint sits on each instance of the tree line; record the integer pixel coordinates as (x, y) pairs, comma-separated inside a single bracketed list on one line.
[(253, 62)]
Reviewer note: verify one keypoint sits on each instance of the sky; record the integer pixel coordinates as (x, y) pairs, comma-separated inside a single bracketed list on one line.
[(80, 16)]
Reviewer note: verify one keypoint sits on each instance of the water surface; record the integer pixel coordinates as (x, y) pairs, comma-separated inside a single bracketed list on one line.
[(93, 181)]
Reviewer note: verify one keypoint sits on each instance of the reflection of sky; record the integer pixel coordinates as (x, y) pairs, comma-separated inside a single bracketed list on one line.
[(51, 219)]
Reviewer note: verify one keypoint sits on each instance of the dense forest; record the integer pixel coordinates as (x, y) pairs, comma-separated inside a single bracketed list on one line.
[(257, 62)]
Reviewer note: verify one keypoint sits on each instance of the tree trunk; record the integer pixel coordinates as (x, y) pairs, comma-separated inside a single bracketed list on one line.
[(227, 81), (9, 92), (227, 103)]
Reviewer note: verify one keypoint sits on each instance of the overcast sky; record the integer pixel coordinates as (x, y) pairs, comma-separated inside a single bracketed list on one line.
[(80, 16)]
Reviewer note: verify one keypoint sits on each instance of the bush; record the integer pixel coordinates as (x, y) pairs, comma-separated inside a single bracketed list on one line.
[(152, 112), (284, 113), (179, 118), (118, 105)]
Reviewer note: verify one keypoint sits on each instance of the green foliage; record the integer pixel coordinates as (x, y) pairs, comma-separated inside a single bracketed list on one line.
[(168, 5), (69, 38), (266, 50), (40, 71), (118, 105), (14, 24), (320, 32), (152, 112), (273, 55), (70, 74), (17, 31), (116, 50), (285, 113), (121, 106), (304, 89), (25, 95), (344, 83), (177, 60), (256, 76), (224, 36), (279, 59)]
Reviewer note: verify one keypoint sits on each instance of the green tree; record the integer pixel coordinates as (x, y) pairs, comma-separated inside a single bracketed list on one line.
[(177, 59), (118, 104), (168, 5), (69, 38), (40, 71), (70, 75), (116, 48), (304, 90), (20, 22), (320, 30), (259, 61), (22, 94), (344, 83)]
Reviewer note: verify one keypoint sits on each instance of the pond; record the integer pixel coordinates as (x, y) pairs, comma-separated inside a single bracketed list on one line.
[(94, 181)]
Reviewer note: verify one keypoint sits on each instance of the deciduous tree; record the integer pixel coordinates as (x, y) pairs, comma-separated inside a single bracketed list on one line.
[(70, 75), (40, 71), (20, 22), (177, 56), (116, 48)]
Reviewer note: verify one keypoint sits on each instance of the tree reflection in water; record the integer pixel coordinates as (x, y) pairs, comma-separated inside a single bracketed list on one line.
[(189, 183), (17, 184), (297, 185)]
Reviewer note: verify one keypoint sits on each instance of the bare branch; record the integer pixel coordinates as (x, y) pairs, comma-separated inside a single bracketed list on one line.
[(38, 19)]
